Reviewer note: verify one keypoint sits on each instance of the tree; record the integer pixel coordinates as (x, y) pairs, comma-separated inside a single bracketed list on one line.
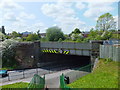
[(76, 34), (32, 37), (106, 22), (2, 36), (38, 33), (8, 53), (15, 34), (54, 34), (76, 31)]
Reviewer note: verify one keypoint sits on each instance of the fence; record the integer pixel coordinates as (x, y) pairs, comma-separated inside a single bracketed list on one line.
[(20, 74), (74, 75), (79, 72), (110, 51), (37, 82), (26, 73)]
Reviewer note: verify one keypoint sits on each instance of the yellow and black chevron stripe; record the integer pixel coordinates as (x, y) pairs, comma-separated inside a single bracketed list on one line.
[(66, 52), (55, 51), (50, 51)]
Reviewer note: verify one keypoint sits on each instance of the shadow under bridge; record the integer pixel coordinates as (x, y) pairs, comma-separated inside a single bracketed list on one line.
[(65, 55)]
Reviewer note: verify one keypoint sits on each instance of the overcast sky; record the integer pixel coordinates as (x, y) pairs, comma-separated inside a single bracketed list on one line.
[(33, 15)]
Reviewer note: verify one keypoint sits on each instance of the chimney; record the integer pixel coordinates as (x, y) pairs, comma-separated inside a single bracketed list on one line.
[(3, 30)]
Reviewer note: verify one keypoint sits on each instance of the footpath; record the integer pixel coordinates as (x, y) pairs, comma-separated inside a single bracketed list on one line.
[(52, 80)]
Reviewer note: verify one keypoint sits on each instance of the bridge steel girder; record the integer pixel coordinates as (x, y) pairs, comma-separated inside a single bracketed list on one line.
[(82, 49)]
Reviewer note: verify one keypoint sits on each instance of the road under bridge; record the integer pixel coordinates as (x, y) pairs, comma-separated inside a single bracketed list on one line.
[(67, 54)]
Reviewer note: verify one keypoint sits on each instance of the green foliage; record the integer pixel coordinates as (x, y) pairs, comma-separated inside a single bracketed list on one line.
[(38, 33), (32, 37), (7, 37), (16, 85), (60, 40), (106, 36), (107, 60), (8, 53), (106, 22), (74, 37), (78, 40), (105, 75), (2, 36), (66, 37), (14, 34), (76, 31), (98, 35), (43, 39), (54, 34), (115, 36)]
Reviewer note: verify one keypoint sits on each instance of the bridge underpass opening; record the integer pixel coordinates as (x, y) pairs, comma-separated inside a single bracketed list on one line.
[(62, 61)]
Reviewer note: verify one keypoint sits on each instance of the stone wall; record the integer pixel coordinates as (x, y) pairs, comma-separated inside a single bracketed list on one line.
[(27, 54)]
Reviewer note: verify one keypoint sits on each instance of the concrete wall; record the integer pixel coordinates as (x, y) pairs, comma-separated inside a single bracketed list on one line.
[(27, 54)]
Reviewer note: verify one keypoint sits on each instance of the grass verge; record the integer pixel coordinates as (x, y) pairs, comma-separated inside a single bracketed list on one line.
[(105, 75), (16, 85)]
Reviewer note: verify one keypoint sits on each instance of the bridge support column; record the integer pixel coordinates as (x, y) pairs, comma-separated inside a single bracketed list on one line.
[(93, 59)]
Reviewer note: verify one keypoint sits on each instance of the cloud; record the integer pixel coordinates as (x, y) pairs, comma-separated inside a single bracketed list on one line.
[(39, 26), (24, 15), (80, 5), (9, 5), (61, 9), (21, 16), (14, 16), (10, 16), (67, 0), (63, 14), (95, 9), (23, 26)]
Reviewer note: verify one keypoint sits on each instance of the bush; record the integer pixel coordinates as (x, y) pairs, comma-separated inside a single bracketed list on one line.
[(54, 34), (8, 53), (32, 37)]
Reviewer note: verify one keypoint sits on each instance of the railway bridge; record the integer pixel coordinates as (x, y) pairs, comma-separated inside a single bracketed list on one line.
[(56, 53), (81, 49), (64, 53)]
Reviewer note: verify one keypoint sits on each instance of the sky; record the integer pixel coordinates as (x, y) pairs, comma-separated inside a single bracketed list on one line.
[(34, 15)]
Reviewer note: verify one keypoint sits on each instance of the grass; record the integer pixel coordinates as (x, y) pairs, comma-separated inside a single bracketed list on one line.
[(16, 85), (105, 75)]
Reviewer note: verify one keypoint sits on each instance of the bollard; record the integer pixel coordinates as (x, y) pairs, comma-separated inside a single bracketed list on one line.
[(23, 74), (66, 79), (37, 70), (8, 77)]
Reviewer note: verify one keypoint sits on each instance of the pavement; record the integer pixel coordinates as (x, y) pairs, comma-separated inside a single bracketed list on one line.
[(52, 79)]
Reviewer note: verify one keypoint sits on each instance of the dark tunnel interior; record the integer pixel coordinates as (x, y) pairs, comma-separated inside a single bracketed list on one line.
[(62, 61)]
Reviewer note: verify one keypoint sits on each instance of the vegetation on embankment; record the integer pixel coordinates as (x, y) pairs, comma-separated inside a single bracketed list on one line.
[(16, 85), (105, 75)]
